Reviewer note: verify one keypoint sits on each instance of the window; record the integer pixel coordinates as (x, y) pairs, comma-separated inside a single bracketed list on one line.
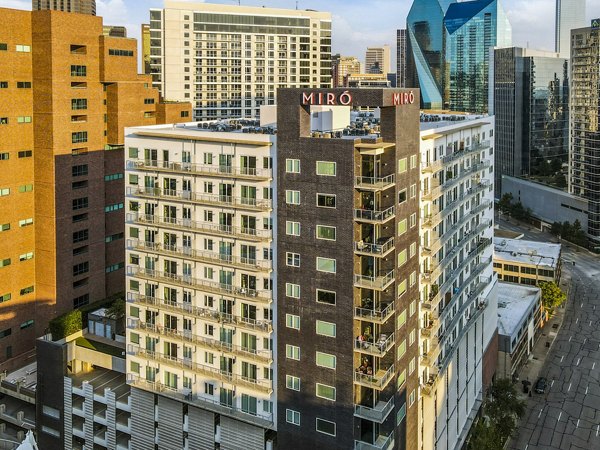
[(325, 391), (292, 352), (402, 165), (5, 297), (326, 232), (412, 308), (326, 297), (117, 52), (292, 382), (326, 168), (4, 156), (114, 237), (402, 258), (26, 188), (25, 154), (26, 256), (292, 165), (412, 337), (402, 196), (325, 328), (413, 249), (413, 190), (113, 177), (80, 236), (26, 290), (401, 379), (23, 48), (185, 114), (413, 220), (26, 324), (292, 417), (292, 197), (79, 136), (401, 320), (80, 301), (78, 71), (78, 103), (413, 161), (411, 398), (5, 262), (292, 259), (326, 360), (52, 412), (292, 321), (114, 207), (80, 217), (5, 227), (326, 264), (412, 279), (79, 170), (3, 84), (401, 349), (24, 119), (79, 184), (292, 228), (3, 46), (401, 414), (133, 152), (50, 431), (292, 290), (114, 267), (402, 227), (411, 366), (4, 192), (325, 427), (23, 84), (326, 200), (3, 120), (81, 268)]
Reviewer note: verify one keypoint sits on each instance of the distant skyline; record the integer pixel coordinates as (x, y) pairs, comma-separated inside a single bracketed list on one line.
[(356, 25)]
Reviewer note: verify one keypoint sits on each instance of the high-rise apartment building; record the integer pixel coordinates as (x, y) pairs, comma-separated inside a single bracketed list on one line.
[(66, 92), (342, 66), (458, 309), (401, 58), (570, 14), (530, 102), (377, 60), (75, 6), (584, 117), (230, 60), (448, 51)]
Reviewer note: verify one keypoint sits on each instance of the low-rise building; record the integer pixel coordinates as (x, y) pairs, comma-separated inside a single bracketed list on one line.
[(526, 262), (520, 317)]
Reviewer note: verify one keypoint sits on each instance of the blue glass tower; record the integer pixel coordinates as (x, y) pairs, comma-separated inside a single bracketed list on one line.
[(449, 46)]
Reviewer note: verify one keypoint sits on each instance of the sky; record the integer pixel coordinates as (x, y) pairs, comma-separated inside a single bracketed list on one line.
[(356, 24)]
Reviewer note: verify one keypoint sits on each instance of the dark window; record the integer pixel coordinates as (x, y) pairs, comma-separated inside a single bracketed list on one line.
[(185, 114), (25, 154), (3, 84), (80, 217), (114, 237), (78, 49), (27, 324), (23, 84), (79, 136), (4, 156), (5, 333), (80, 236), (79, 170), (80, 250), (27, 290), (114, 267), (326, 200), (80, 203), (3, 120), (3, 46), (79, 184), (326, 297), (117, 52), (402, 196), (78, 103), (78, 71), (82, 300), (81, 268), (81, 282), (148, 101)]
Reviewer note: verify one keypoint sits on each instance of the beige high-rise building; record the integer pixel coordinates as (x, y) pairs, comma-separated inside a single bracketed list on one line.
[(76, 6), (66, 93), (377, 60), (343, 66), (229, 60)]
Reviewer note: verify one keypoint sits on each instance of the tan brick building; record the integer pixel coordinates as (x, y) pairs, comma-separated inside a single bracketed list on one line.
[(66, 93), (76, 6)]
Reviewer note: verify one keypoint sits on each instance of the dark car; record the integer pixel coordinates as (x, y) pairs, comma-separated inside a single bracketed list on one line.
[(540, 385)]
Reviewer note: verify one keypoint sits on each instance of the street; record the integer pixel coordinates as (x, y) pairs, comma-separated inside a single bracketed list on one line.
[(567, 416)]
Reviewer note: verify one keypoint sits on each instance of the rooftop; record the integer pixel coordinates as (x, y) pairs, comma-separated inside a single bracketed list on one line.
[(514, 301), (102, 379), (527, 252)]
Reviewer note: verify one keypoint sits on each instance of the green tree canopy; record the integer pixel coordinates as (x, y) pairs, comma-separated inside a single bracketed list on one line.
[(552, 295)]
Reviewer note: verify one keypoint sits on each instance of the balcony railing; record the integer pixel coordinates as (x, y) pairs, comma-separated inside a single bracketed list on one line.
[(249, 234), (379, 282), (381, 443), (264, 356), (246, 203), (376, 414), (202, 169), (431, 166), (223, 375), (203, 285), (379, 249), (203, 256), (379, 348), (375, 183), (379, 315), (203, 313), (378, 381), (367, 215), (262, 419)]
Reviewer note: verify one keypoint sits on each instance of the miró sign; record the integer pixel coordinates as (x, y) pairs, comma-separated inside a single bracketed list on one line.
[(403, 98), (326, 98)]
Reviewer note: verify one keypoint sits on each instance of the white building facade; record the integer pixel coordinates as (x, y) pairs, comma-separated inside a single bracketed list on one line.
[(458, 287), (200, 334)]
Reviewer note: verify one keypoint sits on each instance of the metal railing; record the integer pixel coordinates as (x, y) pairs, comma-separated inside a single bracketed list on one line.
[(381, 443), (378, 282), (377, 380), (376, 414), (201, 169), (374, 249), (375, 183), (379, 348), (374, 315), (374, 216)]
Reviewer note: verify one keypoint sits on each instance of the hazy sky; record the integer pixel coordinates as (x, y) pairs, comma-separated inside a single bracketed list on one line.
[(356, 24)]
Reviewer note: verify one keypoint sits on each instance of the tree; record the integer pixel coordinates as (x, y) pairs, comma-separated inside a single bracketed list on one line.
[(504, 406), (556, 229), (485, 436), (552, 295), (117, 309), (504, 204)]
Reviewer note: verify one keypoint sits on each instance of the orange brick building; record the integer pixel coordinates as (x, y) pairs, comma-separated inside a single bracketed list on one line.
[(66, 93)]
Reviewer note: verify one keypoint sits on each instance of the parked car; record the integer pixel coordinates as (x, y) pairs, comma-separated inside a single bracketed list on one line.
[(540, 385)]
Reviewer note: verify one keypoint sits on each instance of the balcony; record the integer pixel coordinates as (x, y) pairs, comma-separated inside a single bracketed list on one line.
[(263, 296), (378, 381), (376, 414), (378, 315), (247, 234), (203, 313), (381, 443), (431, 166), (227, 201), (250, 264), (243, 173), (382, 248), (264, 356), (374, 216), (374, 183), (379, 348), (378, 283), (222, 375), (261, 419)]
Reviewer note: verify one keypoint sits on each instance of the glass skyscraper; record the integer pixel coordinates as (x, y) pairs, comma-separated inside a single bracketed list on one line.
[(570, 14), (449, 44)]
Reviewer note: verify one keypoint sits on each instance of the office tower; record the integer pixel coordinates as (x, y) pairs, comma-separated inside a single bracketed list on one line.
[(200, 286), (341, 66), (76, 6), (366, 80), (377, 60), (63, 105), (448, 51), (146, 48), (401, 58), (230, 60), (584, 119), (115, 31), (570, 14), (458, 311), (531, 106)]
